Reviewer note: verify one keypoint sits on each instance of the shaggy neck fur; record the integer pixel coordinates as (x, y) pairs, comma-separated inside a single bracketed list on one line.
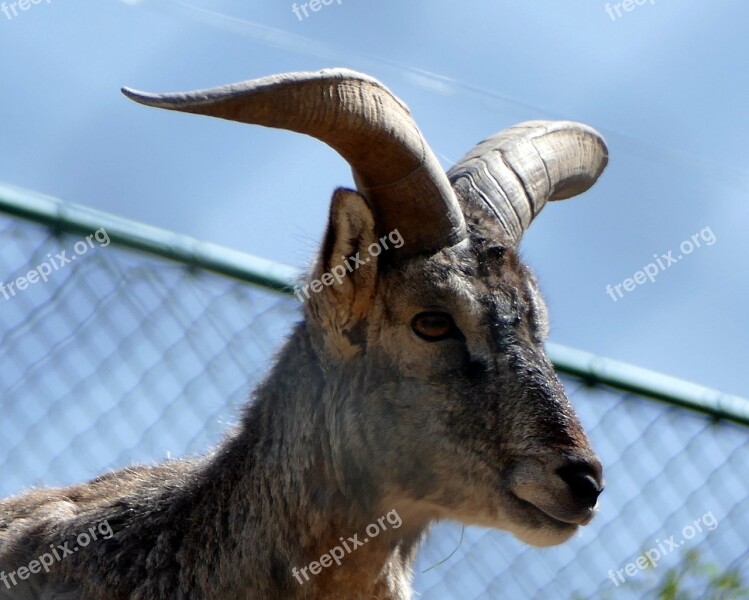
[(279, 493), (282, 494)]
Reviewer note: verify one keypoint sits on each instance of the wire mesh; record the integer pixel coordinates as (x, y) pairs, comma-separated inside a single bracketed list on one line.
[(123, 357)]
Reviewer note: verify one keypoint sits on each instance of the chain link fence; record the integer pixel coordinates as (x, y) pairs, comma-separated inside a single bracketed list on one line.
[(122, 356)]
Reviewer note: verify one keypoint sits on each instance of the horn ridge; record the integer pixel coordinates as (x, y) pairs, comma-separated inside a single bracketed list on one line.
[(392, 164), (518, 170)]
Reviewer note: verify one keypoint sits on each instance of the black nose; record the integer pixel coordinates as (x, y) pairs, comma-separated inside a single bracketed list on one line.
[(585, 479)]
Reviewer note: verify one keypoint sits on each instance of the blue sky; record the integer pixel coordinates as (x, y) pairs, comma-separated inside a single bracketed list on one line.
[(665, 83)]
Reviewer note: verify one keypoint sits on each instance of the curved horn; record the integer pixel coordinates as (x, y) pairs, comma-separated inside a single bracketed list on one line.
[(393, 166), (517, 170)]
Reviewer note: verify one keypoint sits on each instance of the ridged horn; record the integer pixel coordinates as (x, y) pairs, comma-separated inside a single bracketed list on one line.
[(517, 170), (366, 124)]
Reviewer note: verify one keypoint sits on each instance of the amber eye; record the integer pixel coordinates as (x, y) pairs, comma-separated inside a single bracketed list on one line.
[(434, 326)]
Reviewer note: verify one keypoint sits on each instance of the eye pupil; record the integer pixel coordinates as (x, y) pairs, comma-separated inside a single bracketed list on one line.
[(433, 326)]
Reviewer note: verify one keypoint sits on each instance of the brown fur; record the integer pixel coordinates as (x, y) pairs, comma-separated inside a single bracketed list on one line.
[(358, 417)]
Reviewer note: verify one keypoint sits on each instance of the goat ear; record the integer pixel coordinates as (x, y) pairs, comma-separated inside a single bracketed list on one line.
[(342, 287)]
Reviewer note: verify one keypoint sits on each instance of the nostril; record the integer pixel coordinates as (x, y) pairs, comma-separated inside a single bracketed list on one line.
[(584, 487), (584, 482)]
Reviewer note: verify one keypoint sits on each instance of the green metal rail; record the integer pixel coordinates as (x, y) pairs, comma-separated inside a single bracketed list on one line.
[(80, 220), (72, 218)]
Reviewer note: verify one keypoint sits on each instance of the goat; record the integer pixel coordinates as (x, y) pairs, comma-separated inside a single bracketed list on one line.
[(416, 385)]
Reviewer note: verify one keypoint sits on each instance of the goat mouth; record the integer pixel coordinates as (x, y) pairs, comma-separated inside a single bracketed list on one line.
[(569, 523), (547, 518)]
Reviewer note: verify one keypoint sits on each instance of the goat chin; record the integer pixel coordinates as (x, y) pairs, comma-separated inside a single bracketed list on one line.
[(545, 536), (531, 526)]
